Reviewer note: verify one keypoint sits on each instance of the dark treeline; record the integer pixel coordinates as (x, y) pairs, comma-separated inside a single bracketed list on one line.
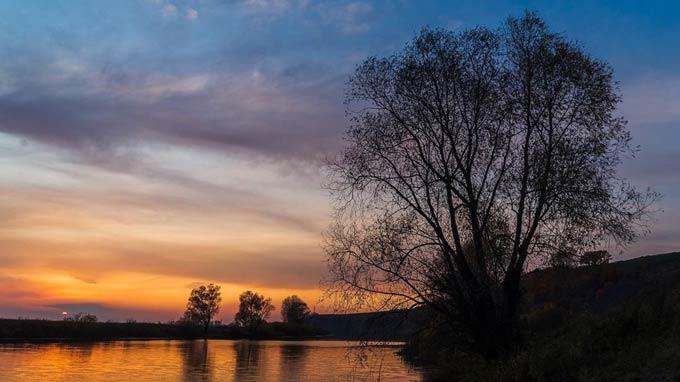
[(33, 329), (250, 321), (198, 321)]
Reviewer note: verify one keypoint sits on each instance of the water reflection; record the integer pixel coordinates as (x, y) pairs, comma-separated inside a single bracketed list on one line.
[(81, 351), (247, 361), (197, 366), (199, 361), (292, 361)]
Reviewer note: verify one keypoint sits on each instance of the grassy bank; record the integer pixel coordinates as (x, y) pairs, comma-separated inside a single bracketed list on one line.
[(614, 322)]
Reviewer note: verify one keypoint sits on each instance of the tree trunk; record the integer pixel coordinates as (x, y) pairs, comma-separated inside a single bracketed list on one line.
[(493, 324), (511, 295), (491, 337)]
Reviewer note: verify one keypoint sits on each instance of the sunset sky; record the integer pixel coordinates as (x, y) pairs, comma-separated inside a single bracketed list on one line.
[(148, 146)]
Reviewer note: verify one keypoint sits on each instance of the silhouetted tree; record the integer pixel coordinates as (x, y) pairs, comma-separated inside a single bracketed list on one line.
[(595, 258), (508, 137), (563, 258), (253, 310), (294, 310), (203, 305), (85, 317)]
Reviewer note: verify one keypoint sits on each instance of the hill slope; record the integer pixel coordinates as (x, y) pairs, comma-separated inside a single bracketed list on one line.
[(612, 322), (550, 295)]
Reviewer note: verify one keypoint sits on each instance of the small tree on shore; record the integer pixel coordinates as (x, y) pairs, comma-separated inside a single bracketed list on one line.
[(203, 305), (85, 317), (253, 310), (595, 258), (294, 310), (563, 258)]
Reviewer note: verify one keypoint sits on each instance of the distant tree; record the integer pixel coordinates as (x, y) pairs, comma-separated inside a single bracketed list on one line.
[(85, 317), (203, 305), (508, 136), (595, 258), (563, 258), (253, 310), (294, 310)]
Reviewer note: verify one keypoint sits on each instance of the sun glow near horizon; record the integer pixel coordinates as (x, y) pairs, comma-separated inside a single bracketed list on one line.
[(144, 151), (129, 246)]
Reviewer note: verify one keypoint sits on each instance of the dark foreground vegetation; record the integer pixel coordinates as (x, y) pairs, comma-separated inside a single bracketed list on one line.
[(611, 322)]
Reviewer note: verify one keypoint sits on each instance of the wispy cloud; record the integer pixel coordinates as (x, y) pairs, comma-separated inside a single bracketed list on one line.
[(354, 17), (78, 106), (169, 10), (172, 9), (191, 14), (652, 99)]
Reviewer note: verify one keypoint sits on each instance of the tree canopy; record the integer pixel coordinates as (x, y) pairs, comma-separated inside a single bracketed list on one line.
[(472, 155), (253, 310), (294, 310), (84, 317), (595, 257), (203, 304)]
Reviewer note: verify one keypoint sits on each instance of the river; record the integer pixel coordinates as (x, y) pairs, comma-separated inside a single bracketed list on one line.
[(202, 361)]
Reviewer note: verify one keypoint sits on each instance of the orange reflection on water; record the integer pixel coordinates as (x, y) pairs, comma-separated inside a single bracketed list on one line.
[(213, 360)]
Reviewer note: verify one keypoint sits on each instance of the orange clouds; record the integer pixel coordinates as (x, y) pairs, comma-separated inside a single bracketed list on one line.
[(135, 241)]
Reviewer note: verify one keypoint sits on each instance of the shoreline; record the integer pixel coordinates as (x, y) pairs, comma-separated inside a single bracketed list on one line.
[(58, 340)]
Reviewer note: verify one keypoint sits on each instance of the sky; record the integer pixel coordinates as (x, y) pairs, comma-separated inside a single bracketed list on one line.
[(150, 146)]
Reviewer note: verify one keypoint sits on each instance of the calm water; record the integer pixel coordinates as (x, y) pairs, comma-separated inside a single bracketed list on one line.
[(211, 360)]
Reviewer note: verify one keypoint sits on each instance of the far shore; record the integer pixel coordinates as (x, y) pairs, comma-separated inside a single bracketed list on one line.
[(383, 327), (112, 339), (38, 330)]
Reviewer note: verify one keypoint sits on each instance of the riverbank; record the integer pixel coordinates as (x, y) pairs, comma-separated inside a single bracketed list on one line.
[(611, 322)]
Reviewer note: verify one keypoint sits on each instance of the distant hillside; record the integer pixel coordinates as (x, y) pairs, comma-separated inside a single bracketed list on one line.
[(549, 294), (602, 288)]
